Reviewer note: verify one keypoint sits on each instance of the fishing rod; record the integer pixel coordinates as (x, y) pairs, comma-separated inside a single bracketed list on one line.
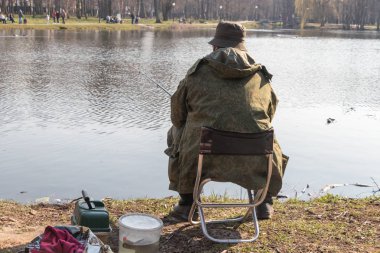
[(151, 79)]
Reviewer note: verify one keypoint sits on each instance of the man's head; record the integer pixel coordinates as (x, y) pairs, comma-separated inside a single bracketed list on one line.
[(229, 34)]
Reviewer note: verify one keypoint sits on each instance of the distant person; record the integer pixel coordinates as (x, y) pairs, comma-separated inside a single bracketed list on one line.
[(47, 18), (63, 16), (3, 19), (57, 16), (25, 21), (54, 15), (137, 19), (20, 16), (132, 18), (108, 19), (10, 17)]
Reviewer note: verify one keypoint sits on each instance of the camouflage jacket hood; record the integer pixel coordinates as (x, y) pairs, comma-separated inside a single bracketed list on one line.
[(232, 63)]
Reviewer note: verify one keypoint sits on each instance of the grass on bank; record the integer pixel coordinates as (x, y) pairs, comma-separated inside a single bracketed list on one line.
[(92, 23), (39, 22), (326, 224)]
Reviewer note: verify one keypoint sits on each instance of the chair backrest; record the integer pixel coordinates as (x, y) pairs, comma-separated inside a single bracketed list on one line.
[(218, 142)]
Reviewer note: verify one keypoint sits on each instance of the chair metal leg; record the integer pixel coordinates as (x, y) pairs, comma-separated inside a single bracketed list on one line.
[(212, 142), (204, 223), (205, 231), (191, 214), (253, 202)]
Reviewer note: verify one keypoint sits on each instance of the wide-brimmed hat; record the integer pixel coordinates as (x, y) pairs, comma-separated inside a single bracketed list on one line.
[(229, 34)]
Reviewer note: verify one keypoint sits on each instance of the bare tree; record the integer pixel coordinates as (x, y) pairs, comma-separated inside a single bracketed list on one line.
[(377, 10), (166, 7), (303, 9), (3, 6), (320, 8), (348, 13), (78, 8), (361, 12), (288, 13), (141, 9), (157, 10)]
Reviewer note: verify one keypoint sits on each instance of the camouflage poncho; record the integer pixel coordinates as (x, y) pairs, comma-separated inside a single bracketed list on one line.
[(225, 90)]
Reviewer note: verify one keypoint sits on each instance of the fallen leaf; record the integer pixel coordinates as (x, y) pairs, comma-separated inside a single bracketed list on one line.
[(9, 219)]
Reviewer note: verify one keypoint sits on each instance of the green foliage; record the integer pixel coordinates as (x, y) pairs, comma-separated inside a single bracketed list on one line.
[(329, 199), (214, 197), (294, 201)]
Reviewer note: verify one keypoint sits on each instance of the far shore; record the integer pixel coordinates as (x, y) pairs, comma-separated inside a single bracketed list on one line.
[(40, 23), (94, 24)]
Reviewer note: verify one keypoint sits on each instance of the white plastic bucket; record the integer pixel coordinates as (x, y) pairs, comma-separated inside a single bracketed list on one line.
[(139, 232)]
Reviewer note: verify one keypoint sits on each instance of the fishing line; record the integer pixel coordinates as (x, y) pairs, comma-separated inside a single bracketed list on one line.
[(151, 79)]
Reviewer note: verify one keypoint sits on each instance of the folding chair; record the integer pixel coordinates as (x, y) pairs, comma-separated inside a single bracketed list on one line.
[(217, 142)]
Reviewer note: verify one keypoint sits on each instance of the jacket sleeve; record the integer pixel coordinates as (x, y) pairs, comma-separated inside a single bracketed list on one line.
[(272, 105), (178, 105)]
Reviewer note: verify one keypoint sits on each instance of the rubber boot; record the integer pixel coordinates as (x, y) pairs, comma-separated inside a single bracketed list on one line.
[(265, 210), (182, 209)]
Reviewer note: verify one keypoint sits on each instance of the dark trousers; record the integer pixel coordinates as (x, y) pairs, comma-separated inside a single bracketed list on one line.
[(186, 199)]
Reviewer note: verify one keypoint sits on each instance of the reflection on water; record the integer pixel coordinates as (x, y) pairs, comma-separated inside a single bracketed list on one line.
[(75, 112)]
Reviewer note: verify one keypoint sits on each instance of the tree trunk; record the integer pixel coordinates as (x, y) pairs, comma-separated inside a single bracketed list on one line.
[(85, 9), (274, 10), (207, 10), (109, 7), (32, 8), (198, 9), (166, 6), (102, 9), (362, 14), (11, 7), (57, 5), (142, 11), (185, 10), (3, 6), (323, 13), (226, 11), (377, 10), (157, 10), (79, 9), (203, 16), (288, 14), (82, 6)]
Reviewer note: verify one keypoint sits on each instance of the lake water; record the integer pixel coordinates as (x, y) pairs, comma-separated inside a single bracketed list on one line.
[(76, 114)]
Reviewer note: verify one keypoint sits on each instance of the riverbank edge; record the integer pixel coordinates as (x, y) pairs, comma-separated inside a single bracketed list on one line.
[(106, 27), (149, 24), (326, 224)]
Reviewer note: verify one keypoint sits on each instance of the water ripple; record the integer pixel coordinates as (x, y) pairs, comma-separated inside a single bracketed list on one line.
[(73, 103)]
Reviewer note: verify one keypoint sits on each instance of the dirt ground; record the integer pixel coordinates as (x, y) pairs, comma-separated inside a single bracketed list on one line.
[(327, 224)]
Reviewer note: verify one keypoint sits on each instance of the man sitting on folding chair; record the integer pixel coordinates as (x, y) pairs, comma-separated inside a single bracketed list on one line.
[(228, 91)]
